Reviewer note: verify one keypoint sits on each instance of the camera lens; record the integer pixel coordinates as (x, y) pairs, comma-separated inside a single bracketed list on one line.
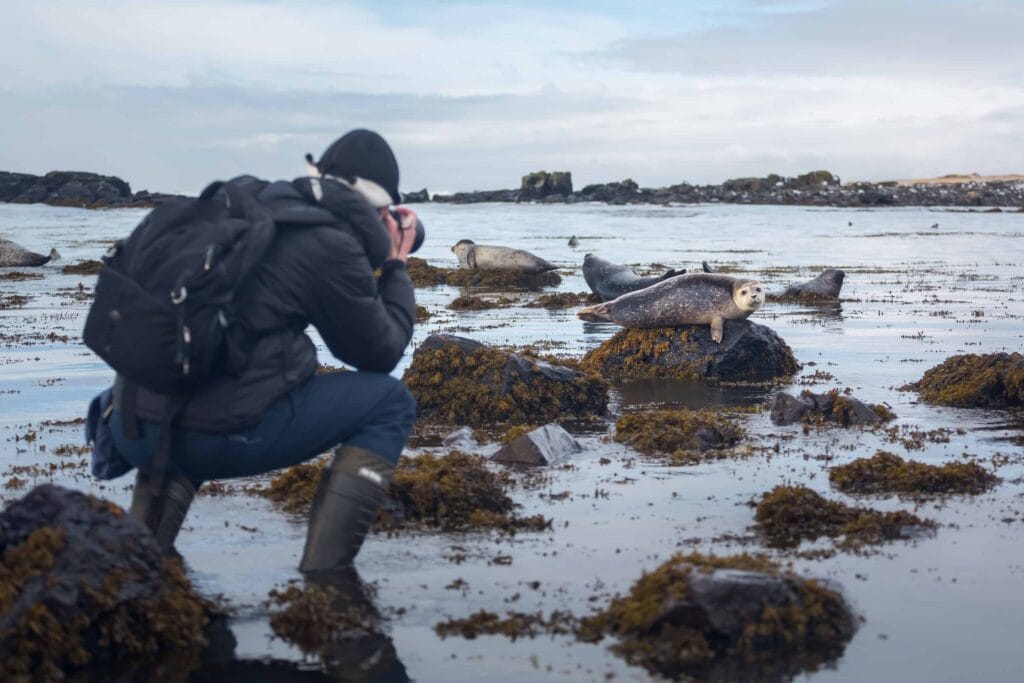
[(420, 232)]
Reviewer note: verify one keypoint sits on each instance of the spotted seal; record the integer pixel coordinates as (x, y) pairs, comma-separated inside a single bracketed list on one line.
[(475, 256), (825, 286), (694, 299), (12, 254), (610, 280)]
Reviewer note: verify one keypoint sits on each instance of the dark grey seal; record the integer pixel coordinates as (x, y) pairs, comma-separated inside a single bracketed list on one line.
[(694, 299), (610, 280), (12, 254), (825, 286)]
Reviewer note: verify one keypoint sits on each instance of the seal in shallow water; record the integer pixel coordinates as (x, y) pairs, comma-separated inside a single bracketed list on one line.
[(610, 280), (694, 299), (475, 256), (12, 254), (825, 286)]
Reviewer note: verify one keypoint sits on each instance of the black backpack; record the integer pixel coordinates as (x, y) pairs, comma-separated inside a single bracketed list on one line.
[(163, 313)]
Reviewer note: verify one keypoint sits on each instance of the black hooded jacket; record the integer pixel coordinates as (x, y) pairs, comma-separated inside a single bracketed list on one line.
[(319, 270)]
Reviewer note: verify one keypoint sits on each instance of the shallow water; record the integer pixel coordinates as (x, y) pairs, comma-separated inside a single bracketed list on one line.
[(945, 607)]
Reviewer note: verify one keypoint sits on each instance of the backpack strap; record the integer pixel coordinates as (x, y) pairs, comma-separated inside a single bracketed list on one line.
[(128, 407)]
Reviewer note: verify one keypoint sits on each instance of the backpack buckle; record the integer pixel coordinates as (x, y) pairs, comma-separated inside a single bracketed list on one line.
[(179, 297)]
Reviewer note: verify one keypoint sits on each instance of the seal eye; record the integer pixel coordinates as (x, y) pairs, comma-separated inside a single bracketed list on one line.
[(743, 291)]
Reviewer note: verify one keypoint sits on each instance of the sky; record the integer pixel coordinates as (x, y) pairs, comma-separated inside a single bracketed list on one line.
[(471, 96)]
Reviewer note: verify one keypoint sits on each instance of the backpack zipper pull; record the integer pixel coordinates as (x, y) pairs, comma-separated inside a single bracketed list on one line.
[(209, 257)]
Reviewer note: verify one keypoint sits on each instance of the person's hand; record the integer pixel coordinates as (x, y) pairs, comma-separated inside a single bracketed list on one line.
[(402, 236)]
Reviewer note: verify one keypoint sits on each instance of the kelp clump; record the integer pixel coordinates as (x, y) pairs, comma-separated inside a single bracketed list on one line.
[(293, 488), (725, 618), (513, 625), (748, 353), (994, 380), (677, 432), (787, 515), (559, 300), (87, 267), (83, 586), (315, 617), (459, 381), (888, 473), (479, 303), (453, 492)]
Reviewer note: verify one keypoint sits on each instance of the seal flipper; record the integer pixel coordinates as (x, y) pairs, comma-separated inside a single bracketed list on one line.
[(598, 313), (54, 255), (672, 272), (717, 328), (706, 268)]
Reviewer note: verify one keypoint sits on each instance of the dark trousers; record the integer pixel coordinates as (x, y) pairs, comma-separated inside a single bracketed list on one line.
[(370, 410)]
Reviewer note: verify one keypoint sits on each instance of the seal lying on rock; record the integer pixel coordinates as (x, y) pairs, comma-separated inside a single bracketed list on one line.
[(825, 286), (610, 280), (694, 299), (12, 254), (475, 256)]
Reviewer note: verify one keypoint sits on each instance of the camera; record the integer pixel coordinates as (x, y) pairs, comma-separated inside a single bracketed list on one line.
[(420, 232)]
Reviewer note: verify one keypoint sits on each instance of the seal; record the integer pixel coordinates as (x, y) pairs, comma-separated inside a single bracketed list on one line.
[(573, 241), (610, 280), (12, 254), (475, 256), (694, 299), (825, 286)]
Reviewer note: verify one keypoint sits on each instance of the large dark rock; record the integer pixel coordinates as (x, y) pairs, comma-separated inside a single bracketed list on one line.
[(460, 381), (543, 184), (83, 584), (547, 445), (416, 197), (723, 619), (749, 352), (620, 192)]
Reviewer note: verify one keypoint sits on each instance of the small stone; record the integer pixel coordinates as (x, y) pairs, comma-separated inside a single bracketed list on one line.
[(547, 445)]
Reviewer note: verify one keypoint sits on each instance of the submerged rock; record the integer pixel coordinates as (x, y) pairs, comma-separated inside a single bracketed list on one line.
[(994, 380), (545, 445), (725, 619), (461, 381), (84, 585), (748, 352), (888, 473), (828, 407)]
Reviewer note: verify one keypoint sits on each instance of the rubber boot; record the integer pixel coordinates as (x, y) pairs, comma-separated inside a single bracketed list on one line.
[(344, 507), (164, 513)]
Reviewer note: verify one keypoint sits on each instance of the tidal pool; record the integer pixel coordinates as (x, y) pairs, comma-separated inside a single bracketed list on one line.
[(947, 606)]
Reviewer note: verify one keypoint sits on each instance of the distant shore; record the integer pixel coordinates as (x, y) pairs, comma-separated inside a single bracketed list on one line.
[(816, 188)]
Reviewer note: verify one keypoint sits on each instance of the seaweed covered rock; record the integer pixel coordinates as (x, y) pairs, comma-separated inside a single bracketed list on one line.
[(994, 380), (725, 619), (84, 585), (423, 274), (786, 515), (677, 432), (545, 445), (748, 353), (452, 492), (830, 407), (888, 473), (461, 381)]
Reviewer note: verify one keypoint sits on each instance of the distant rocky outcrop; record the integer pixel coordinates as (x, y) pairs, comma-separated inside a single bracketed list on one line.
[(415, 197), (541, 184), (816, 188), (74, 188)]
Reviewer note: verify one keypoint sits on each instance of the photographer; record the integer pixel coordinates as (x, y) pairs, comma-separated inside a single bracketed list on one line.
[(332, 230)]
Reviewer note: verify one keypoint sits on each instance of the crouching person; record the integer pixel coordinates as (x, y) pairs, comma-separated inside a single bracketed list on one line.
[(260, 404)]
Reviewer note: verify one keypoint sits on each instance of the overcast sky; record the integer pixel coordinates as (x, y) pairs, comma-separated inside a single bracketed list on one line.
[(170, 95)]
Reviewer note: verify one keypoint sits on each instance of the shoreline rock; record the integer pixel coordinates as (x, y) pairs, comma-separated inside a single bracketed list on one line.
[(75, 189)]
